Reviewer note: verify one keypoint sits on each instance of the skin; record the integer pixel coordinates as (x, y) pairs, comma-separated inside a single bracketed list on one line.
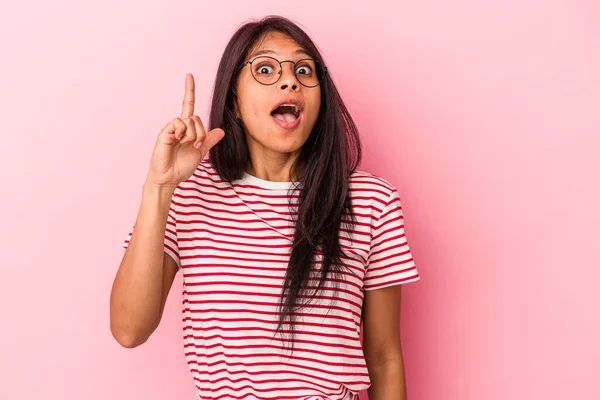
[(272, 151), (272, 148), (381, 344)]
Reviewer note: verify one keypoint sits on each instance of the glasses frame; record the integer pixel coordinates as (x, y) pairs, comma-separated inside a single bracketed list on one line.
[(322, 78)]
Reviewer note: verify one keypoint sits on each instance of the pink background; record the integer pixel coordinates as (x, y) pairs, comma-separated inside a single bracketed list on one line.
[(485, 115)]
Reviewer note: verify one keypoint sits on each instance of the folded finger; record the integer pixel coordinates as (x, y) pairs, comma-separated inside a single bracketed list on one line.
[(190, 132), (200, 131)]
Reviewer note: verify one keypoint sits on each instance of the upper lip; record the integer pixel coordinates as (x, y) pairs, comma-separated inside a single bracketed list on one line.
[(295, 102)]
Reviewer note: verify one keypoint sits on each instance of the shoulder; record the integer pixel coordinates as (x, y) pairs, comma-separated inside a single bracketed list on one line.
[(205, 168), (363, 183), (203, 175), (204, 180)]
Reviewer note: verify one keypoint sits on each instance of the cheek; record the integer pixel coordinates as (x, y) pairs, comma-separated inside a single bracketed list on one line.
[(316, 106), (252, 108), (250, 111), (249, 102)]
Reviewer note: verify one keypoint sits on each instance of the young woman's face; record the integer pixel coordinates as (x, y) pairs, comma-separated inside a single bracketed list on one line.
[(271, 130)]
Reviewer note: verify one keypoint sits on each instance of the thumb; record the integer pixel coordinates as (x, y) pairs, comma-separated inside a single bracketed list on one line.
[(213, 137)]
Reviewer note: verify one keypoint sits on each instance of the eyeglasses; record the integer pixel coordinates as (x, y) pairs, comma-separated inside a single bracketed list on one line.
[(268, 70)]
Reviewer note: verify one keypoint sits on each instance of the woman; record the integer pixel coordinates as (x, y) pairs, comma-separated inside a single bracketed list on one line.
[(284, 246)]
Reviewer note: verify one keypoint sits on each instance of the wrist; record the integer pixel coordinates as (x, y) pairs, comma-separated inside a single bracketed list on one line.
[(158, 189)]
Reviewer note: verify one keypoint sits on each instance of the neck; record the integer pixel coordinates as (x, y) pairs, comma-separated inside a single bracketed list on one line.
[(274, 171)]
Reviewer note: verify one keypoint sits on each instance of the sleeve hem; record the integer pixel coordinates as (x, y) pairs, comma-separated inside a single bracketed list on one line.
[(167, 250), (173, 255), (394, 282)]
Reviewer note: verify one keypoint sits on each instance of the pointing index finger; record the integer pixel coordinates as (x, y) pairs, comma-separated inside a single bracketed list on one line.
[(187, 109)]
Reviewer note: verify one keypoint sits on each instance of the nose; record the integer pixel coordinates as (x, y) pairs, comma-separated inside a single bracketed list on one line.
[(288, 79)]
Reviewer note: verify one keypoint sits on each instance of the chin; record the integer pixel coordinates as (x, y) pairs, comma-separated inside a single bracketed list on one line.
[(285, 147), (280, 140)]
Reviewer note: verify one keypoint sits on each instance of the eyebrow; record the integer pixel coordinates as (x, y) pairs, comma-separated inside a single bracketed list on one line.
[(261, 52)]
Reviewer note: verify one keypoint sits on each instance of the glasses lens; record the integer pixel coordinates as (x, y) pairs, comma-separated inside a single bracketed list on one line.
[(265, 70), (309, 72)]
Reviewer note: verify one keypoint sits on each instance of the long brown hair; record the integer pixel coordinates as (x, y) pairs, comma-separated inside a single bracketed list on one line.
[(327, 159)]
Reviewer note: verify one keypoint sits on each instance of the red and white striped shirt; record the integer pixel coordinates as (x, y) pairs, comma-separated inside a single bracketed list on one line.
[(232, 243)]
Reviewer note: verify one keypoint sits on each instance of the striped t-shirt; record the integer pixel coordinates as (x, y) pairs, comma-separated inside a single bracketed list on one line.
[(232, 242)]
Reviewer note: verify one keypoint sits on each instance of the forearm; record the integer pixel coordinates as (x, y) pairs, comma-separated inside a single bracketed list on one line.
[(136, 294), (387, 380)]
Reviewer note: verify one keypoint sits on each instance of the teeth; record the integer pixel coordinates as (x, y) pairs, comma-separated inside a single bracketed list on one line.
[(291, 105)]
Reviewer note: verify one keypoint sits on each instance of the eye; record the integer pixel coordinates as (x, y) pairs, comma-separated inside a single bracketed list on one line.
[(304, 70), (265, 68)]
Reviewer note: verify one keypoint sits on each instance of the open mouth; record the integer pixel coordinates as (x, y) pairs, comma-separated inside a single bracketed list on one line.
[(286, 113)]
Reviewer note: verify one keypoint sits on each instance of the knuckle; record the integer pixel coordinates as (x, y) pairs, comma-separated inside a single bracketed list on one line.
[(198, 121)]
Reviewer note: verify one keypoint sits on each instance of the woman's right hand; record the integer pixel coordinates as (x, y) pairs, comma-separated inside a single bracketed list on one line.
[(181, 144)]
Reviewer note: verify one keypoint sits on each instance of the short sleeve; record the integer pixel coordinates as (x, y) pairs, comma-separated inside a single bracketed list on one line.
[(390, 261), (170, 243)]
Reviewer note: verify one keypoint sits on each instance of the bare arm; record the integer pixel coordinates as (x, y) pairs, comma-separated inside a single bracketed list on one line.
[(381, 344), (146, 273)]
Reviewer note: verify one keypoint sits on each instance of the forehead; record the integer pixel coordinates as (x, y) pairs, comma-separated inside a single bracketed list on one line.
[(277, 43)]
